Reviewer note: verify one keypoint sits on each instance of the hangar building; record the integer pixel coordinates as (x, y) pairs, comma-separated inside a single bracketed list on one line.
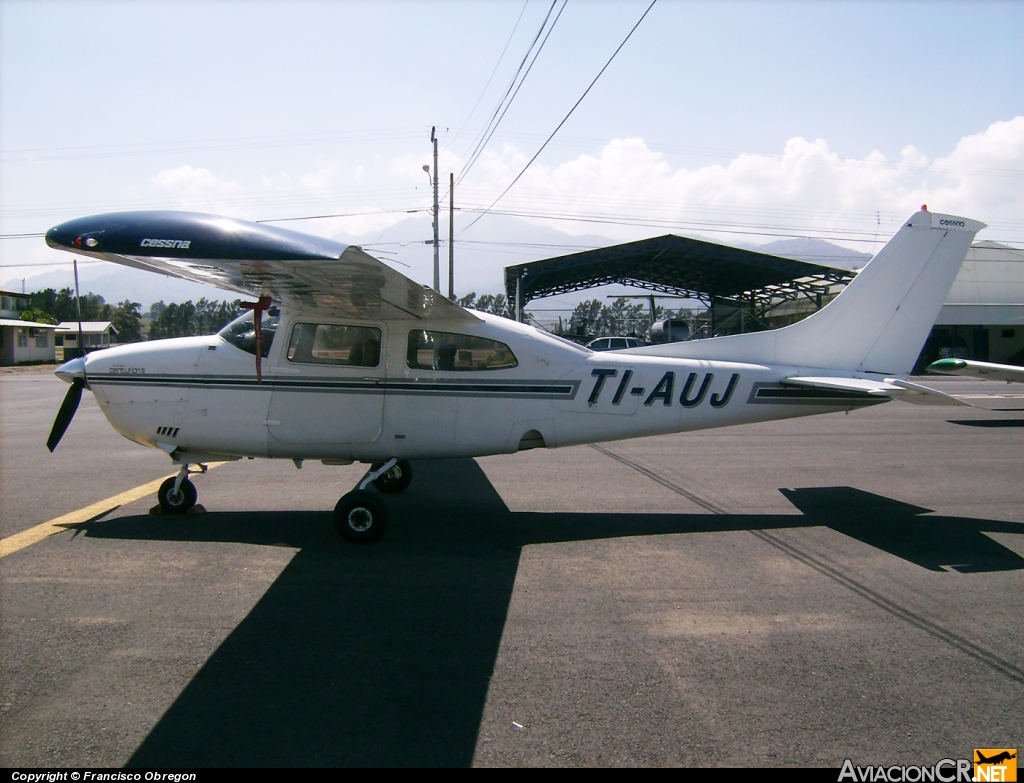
[(983, 317), (744, 290)]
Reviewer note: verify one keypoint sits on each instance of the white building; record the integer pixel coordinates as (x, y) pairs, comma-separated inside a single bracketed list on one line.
[(12, 303), (26, 341), (95, 335), (983, 317)]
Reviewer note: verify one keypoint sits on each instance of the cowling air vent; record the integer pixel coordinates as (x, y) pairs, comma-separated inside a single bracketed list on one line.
[(170, 432)]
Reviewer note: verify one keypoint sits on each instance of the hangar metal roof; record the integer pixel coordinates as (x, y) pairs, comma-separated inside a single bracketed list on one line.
[(676, 265)]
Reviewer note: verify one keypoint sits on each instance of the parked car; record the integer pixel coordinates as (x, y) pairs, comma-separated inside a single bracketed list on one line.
[(615, 343)]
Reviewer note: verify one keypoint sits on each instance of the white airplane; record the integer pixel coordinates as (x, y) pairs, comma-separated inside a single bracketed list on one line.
[(343, 359), (973, 369)]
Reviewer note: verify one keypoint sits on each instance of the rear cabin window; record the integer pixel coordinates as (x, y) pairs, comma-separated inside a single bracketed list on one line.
[(353, 346), (457, 352)]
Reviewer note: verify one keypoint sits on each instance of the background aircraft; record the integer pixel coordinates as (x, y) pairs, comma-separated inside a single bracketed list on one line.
[(973, 369), (343, 359)]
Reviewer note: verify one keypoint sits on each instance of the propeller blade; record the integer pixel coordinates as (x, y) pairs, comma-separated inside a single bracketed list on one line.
[(66, 413)]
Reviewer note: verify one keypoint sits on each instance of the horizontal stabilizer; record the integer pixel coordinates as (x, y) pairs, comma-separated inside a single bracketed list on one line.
[(893, 388)]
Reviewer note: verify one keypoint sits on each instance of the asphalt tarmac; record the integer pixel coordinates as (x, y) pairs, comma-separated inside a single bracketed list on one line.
[(784, 594)]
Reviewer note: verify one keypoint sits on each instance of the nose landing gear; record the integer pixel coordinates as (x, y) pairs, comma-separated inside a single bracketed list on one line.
[(177, 495), (360, 516)]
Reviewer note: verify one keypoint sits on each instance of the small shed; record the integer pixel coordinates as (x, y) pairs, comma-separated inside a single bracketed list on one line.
[(96, 335), (26, 341)]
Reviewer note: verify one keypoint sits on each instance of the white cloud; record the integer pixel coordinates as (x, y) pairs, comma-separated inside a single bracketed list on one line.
[(807, 187), (321, 178), (200, 189)]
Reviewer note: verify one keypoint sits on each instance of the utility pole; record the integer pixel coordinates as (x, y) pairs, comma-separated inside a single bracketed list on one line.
[(451, 235), (437, 262), (78, 309)]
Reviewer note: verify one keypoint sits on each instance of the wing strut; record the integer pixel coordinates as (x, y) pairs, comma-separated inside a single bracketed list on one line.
[(258, 308)]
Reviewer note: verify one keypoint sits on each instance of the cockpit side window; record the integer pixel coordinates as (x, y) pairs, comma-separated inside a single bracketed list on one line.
[(241, 332), (355, 346), (452, 352)]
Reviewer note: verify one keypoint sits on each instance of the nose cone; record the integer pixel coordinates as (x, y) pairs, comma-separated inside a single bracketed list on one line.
[(68, 371)]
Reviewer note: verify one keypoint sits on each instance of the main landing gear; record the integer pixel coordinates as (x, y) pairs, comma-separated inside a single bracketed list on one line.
[(177, 495), (360, 516)]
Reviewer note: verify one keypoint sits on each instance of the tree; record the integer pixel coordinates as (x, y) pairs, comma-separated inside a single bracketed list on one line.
[(127, 321), (182, 320), (496, 304), (37, 316), (585, 318), (62, 306)]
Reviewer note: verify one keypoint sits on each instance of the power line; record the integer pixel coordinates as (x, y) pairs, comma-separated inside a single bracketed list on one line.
[(224, 143), (578, 102), (521, 81), (491, 77), (668, 224), (340, 214), (492, 124)]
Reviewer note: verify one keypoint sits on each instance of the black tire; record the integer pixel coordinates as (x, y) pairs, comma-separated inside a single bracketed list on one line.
[(395, 480), (178, 503), (360, 517)]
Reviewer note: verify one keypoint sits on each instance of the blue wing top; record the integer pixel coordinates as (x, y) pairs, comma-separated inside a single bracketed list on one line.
[(300, 271)]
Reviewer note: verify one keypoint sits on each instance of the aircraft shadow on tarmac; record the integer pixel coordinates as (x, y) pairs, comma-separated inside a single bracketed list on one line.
[(382, 655), (989, 423)]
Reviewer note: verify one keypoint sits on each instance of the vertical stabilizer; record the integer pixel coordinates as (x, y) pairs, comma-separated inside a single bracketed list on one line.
[(880, 320)]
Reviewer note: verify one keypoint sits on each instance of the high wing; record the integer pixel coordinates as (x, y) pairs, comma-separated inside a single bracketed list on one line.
[(973, 369), (891, 388), (297, 270)]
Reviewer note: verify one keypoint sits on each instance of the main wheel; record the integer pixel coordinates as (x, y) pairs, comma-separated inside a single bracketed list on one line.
[(395, 480), (176, 502), (360, 517)]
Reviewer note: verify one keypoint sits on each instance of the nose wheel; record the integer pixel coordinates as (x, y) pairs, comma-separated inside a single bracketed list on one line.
[(177, 494), (177, 500)]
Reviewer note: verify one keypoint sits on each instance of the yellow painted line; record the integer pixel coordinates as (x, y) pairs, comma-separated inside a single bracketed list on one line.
[(46, 529)]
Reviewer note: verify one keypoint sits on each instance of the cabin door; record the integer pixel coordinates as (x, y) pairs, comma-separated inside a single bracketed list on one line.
[(328, 389)]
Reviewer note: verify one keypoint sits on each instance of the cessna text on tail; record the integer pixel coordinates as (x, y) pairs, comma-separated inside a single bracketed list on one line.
[(344, 359)]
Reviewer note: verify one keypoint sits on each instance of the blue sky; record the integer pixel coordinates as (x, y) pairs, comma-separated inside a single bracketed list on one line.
[(823, 119)]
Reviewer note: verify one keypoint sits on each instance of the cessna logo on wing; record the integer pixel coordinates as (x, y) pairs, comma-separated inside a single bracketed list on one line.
[(180, 244)]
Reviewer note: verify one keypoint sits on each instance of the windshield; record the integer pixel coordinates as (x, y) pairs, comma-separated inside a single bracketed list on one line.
[(241, 332)]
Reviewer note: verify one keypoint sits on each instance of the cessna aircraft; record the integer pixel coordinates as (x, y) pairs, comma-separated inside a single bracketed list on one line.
[(974, 369), (343, 359)]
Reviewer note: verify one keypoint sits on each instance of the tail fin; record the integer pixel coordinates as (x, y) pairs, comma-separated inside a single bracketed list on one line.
[(880, 320)]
